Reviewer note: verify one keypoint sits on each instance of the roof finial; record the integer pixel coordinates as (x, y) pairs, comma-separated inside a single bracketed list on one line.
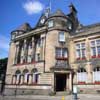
[(72, 8)]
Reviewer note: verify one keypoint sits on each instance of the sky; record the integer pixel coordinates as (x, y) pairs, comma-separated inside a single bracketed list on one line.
[(14, 13)]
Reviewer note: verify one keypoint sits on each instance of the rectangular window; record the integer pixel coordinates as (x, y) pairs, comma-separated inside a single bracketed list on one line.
[(61, 52), (80, 51), (29, 58), (38, 43), (93, 51), (50, 23), (98, 50), (95, 48), (61, 37), (30, 45)]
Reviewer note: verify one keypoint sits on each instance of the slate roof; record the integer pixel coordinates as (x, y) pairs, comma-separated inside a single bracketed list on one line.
[(24, 27)]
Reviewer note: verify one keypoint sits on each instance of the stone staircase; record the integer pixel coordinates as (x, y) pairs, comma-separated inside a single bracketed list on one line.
[(62, 93)]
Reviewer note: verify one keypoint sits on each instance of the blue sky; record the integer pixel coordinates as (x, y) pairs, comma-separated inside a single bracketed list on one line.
[(13, 13)]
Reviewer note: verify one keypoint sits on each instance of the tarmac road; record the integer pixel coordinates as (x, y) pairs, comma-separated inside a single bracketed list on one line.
[(41, 97)]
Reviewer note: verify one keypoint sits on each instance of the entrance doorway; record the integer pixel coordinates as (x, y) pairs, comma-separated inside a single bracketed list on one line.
[(60, 82)]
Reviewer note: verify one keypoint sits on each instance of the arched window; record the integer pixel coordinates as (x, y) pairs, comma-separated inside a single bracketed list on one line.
[(96, 74), (34, 76), (81, 75), (18, 76), (26, 76)]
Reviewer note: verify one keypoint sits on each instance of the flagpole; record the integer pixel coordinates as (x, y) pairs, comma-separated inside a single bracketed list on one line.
[(50, 5)]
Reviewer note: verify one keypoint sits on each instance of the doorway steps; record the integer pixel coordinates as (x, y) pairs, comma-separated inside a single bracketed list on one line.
[(63, 93)]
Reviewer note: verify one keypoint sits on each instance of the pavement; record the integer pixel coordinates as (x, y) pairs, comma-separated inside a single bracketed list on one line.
[(43, 97)]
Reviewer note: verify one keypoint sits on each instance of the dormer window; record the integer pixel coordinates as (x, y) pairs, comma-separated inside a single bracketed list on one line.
[(61, 37), (50, 23)]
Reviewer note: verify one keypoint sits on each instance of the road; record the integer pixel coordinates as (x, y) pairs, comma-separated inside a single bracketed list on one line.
[(41, 97)]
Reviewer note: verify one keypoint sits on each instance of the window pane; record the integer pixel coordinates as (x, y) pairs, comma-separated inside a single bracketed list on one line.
[(50, 23), (64, 53), (30, 45), (98, 42), (58, 52), (93, 51), (61, 37), (29, 58), (78, 54), (38, 43), (83, 53), (98, 49), (92, 43), (83, 45), (77, 46)]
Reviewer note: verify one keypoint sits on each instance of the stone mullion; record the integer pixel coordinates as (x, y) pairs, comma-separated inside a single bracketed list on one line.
[(17, 51), (30, 79), (21, 55), (33, 49), (22, 79), (70, 80), (25, 50), (43, 47)]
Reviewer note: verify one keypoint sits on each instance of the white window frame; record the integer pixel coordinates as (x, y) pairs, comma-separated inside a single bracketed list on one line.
[(79, 49), (26, 77), (96, 75), (63, 53), (82, 76), (34, 78), (17, 78), (95, 46), (61, 36), (29, 58), (50, 23)]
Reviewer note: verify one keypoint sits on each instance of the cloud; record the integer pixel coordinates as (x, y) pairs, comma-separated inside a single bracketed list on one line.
[(33, 7)]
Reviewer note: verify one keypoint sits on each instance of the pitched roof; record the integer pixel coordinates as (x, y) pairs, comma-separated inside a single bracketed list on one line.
[(58, 13), (24, 27)]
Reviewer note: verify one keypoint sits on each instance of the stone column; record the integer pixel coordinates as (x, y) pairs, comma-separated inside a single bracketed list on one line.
[(70, 81), (67, 81), (30, 79), (21, 52), (22, 79), (89, 74), (13, 79), (75, 77), (17, 51), (25, 50), (33, 49), (88, 51)]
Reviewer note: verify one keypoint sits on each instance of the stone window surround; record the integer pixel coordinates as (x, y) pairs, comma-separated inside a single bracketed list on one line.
[(80, 51), (94, 47)]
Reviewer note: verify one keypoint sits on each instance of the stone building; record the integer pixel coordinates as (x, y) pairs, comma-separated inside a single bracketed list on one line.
[(54, 56)]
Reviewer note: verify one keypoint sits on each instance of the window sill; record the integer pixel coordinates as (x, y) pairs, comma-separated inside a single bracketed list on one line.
[(61, 58), (33, 62), (97, 82), (93, 57), (81, 83), (81, 58)]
